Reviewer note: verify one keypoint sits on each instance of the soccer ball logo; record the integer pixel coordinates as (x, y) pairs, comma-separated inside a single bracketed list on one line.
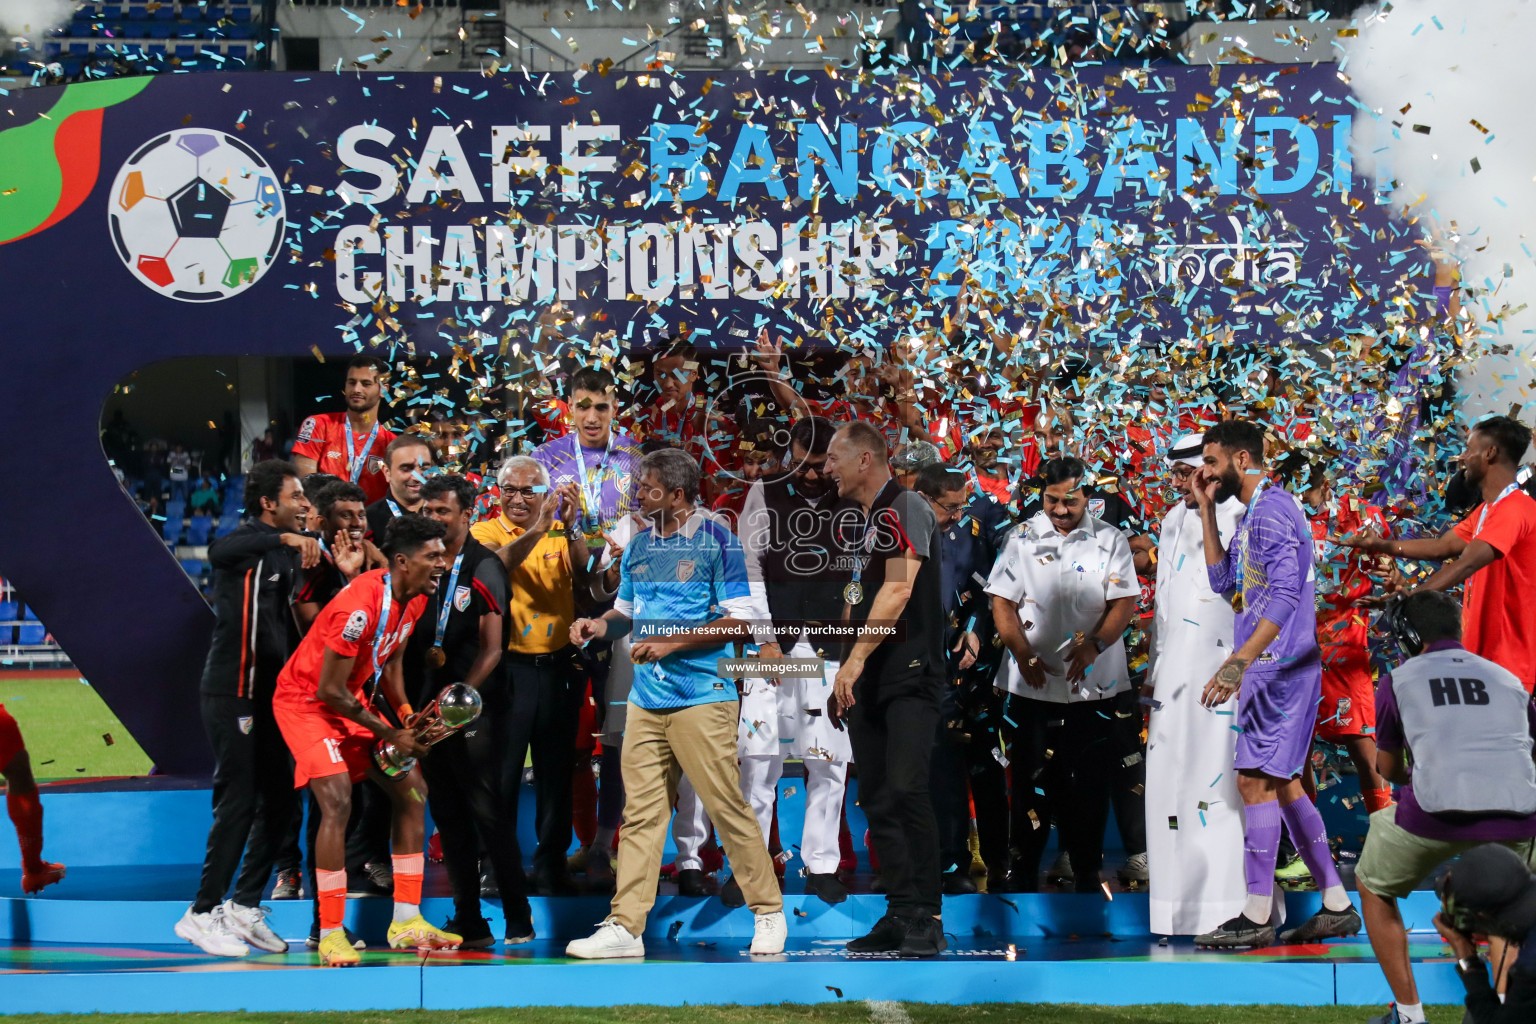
[(196, 215)]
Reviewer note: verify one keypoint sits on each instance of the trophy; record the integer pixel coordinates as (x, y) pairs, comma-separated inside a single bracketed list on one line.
[(454, 708)]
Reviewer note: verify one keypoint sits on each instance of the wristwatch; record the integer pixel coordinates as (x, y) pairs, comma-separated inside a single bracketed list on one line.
[(1469, 964), (1098, 645)]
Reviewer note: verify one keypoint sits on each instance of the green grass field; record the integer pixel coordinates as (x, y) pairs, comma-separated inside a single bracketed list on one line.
[(64, 723), (825, 1013)]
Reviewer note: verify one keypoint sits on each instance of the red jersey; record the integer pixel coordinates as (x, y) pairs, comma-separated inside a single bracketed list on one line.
[(887, 419), (1496, 622), (553, 417), (1341, 580), (324, 439), (348, 625)]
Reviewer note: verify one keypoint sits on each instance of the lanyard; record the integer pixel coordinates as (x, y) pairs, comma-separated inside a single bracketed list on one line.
[(865, 543), (394, 509), (1242, 532), (593, 494), (355, 463), (382, 628), (447, 599), (1506, 492)]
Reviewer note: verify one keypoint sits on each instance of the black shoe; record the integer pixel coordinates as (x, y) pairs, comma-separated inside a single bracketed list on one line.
[(373, 880), (827, 888), (519, 925), (475, 931), (1325, 924), (924, 938), (731, 894), (691, 882), (289, 886), (885, 937), (1238, 933), (313, 942), (488, 887), (958, 883), (1017, 880)]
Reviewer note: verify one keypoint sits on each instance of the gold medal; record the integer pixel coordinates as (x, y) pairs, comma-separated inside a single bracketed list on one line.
[(436, 658), (853, 593)]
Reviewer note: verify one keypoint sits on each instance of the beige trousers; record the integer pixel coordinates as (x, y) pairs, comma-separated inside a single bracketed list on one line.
[(659, 746)]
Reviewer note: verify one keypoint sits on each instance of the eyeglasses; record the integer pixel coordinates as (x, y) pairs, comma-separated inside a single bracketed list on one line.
[(953, 509), (527, 493)]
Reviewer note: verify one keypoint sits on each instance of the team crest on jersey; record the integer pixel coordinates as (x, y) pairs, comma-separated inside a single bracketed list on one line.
[(684, 570), (1096, 507), (307, 429), (356, 623), (375, 464), (461, 598), (245, 724)]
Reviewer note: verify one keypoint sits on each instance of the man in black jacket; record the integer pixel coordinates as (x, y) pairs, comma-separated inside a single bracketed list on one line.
[(256, 570), (1490, 891), (460, 640)]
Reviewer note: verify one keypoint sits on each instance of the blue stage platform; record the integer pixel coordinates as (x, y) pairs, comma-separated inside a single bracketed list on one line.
[(102, 941)]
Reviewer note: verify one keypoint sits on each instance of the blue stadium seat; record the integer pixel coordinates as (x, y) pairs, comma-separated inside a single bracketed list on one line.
[(8, 611), (79, 49), (171, 529), (112, 12), (186, 51), (176, 508), (239, 32), (192, 566), (199, 529), (240, 13), (158, 31), (138, 12), (32, 634), (165, 12), (237, 52), (214, 12), (81, 30), (228, 524), (28, 614), (7, 635)]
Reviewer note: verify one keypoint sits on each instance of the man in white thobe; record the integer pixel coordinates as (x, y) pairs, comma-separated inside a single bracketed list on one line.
[(1194, 813)]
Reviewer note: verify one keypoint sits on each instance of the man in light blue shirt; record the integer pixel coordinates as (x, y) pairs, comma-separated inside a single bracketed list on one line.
[(683, 592)]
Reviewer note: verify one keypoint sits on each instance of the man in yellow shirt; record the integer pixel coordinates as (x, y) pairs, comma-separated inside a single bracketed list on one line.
[(547, 564)]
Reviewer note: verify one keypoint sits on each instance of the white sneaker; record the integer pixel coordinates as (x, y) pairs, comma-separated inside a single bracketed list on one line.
[(768, 933), (210, 933), (611, 941), (249, 925)]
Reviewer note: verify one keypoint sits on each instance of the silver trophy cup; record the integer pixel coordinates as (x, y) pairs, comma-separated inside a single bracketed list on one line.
[(453, 709)]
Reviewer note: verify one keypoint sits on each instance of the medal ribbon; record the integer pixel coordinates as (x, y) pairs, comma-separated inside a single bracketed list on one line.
[(447, 599), (1506, 492), (394, 509), (356, 463), (380, 631), (594, 494)]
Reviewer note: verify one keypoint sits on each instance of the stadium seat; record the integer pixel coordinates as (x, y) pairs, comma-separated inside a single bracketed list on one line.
[(138, 13), (238, 52), (198, 530), (186, 51), (8, 611), (112, 12), (31, 634), (192, 566), (240, 13), (79, 49), (228, 524), (239, 32), (165, 12), (28, 614)]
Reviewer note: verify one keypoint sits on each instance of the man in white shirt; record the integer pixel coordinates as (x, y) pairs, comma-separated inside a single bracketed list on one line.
[(1194, 812), (1063, 593)]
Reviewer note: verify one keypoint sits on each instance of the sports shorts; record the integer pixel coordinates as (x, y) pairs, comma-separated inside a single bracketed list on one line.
[(323, 744), (1395, 861), (1348, 707), (10, 738)]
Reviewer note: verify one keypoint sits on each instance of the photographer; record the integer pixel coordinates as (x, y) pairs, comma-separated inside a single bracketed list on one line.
[(1465, 724), (1490, 892)]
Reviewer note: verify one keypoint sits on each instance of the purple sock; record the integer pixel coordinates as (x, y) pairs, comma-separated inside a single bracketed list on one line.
[(1261, 845), (1311, 838)]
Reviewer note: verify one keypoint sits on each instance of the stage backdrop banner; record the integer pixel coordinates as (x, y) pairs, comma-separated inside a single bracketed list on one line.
[(145, 219)]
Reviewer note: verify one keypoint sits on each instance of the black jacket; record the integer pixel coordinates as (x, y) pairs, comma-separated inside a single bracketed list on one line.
[(255, 577), (1519, 1005)]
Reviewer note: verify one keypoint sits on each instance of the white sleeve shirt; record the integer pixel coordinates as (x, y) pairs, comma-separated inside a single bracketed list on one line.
[(1062, 585)]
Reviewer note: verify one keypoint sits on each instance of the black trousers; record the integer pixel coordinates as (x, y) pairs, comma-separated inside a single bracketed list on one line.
[(253, 799), (464, 776), (892, 729), (1062, 765), (546, 694), (964, 770), (1127, 791)]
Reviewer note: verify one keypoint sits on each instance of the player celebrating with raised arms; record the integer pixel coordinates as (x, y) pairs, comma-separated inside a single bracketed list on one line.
[(324, 708)]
